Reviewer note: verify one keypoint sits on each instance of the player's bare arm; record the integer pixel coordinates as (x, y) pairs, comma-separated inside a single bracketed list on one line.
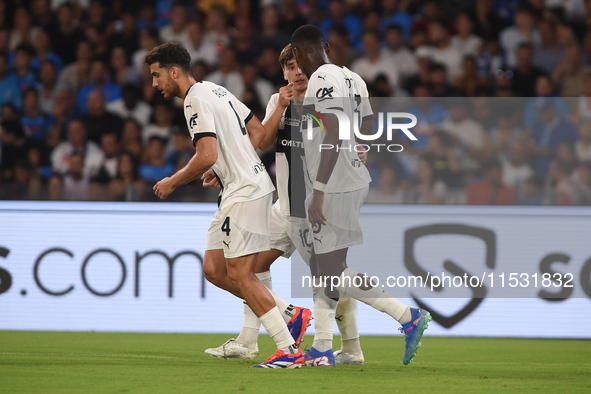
[(272, 122), (204, 158)]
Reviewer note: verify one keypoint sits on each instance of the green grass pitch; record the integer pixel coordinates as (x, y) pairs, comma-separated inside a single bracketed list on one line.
[(120, 363)]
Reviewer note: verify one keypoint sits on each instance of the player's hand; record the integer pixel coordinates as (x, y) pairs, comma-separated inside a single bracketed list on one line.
[(285, 95), (362, 154), (210, 180), (163, 188), (315, 211)]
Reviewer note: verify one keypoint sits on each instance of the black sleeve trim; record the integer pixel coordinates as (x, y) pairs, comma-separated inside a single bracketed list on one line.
[(248, 118), (337, 108), (198, 136)]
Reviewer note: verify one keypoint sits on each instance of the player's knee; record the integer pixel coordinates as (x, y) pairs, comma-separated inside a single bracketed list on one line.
[(238, 276)]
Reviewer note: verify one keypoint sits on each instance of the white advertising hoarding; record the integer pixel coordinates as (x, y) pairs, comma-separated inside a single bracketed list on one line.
[(137, 267)]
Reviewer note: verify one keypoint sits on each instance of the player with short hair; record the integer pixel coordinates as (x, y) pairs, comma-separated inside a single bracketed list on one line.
[(225, 133), (288, 216), (340, 187)]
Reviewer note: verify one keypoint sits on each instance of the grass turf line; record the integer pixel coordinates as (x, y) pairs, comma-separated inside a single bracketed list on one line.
[(116, 362)]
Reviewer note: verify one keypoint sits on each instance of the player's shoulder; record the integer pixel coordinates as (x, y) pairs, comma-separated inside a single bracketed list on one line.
[(273, 100)]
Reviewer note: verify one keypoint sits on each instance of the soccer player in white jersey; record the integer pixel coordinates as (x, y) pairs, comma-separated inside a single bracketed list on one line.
[(288, 220), (225, 134), (340, 188)]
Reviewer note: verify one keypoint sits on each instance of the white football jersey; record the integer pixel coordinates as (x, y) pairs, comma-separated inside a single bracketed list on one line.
[(289, 162), (336, 87), (211, 110)]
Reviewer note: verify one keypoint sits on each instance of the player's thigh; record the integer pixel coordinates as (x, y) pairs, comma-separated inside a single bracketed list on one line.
[(245, 227), (214, 265), (266, 259), (241, 269)]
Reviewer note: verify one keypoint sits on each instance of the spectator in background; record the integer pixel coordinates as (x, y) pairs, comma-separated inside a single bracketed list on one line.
[(516, 169), (177, 30), (490, 58), (76, 182), (244, 42), (564, 190), (199, 71), (404, 60), (127, 185), (544, 88), (199, 49), (41, 13), (122, 72), (55, 188), (549, 54), (387, 189), (218, 33), (525, 73), (111, 149), (257, 90), (98, 81), (465, 41), (270, 34), (468, 134), (429, 115), (583, 144), (341, 53), (491, 190), (488, 23), (63, 113), (292, 17), (533, 193), (423, 75), (565, 154), (156, 166), (10, 92), (131, 106), (392, 14), (65, 35), (337, 14), (23, 70), (23, 32), (97, 120), (441, 50), (47, 86), (163, 126), (570, 74), (77, 143), (269, 67), (374, 62), (127, 37), (77, 74), (443, 161), (36, 123), (131, 140), (524, 30), (227, 75), (548, 132), (503, 134), (97, 29), (148, 39), (469, 83), (440, 86), (44, 52), (424, 189), (12, 148)]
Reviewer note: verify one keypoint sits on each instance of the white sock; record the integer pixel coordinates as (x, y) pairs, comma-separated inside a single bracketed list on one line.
[(287, 310), (277, 329), (251, 325), (324, 315), (374, 297), (347, 320)]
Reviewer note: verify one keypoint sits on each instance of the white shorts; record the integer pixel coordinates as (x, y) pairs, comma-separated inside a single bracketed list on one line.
[(289, 234), (241, 228), (342, 228)]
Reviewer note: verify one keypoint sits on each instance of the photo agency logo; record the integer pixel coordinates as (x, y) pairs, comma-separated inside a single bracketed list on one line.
[(386, 122)]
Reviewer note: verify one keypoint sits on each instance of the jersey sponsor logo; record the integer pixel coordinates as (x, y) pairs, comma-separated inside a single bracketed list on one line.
[(193, 120), (292, 143), (324, 93), (349, 82), (258, 168)]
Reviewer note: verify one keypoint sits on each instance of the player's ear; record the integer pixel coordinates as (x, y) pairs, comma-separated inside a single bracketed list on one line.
[(327, 47), (285, 73)]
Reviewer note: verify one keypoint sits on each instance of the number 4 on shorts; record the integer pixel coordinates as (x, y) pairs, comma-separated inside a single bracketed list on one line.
[(226, 226)]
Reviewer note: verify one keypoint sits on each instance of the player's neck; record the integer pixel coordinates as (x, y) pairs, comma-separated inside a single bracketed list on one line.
[(184, 86), (318, 60)]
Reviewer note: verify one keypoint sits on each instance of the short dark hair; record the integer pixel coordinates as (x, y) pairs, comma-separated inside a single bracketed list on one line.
[(307, 34), (169, 55)]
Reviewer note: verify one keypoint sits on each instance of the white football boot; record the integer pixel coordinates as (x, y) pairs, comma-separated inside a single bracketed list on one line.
[(348, 358), (233, 349)]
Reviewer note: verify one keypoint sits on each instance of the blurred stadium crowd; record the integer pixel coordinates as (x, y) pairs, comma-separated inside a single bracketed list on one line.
[(80, 120)]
